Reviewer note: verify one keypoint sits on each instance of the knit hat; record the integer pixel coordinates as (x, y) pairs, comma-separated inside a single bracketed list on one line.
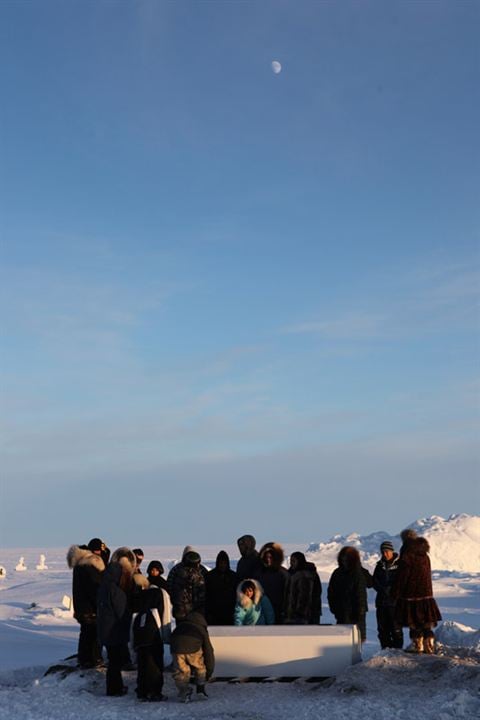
[(386, 545)]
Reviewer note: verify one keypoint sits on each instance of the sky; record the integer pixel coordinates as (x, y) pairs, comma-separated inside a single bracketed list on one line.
[(232, 300)]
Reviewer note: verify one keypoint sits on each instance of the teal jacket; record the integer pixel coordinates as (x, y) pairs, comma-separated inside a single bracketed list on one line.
[(253, 611)]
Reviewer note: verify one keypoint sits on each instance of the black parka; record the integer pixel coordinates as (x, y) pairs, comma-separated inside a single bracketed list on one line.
[(113, 612), (221, 588), (88, 569)]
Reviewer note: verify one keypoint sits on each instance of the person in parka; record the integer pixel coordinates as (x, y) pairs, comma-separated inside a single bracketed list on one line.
[(274, 578), (221, 587), (154, 575), (249, 564), (304, 593), (151, 628), (88, 566), (347, 592), (252, 606), (415, 605), (113, 622), (130, 579), (390, 633), (186, 585), (192, 653)]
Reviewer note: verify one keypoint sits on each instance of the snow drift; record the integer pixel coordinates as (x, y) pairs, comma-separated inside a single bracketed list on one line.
[(454, 544)]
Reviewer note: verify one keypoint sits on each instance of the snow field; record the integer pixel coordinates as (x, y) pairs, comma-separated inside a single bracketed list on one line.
[(36, 631)]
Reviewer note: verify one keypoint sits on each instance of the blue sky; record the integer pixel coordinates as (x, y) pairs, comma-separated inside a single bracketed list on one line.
[(234, 301)]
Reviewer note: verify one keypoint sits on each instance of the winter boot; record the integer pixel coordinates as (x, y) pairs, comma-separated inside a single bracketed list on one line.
[(201, 692), (416, 646), (429, 645), (185, 694)]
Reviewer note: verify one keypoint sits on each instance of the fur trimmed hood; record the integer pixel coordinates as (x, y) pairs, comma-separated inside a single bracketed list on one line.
[(276, 550), (245, 601), (348, 558), (77, 555), (126, 558), (140, 581), (418, 546)]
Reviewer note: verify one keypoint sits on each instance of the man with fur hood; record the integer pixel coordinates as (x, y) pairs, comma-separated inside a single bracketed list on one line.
[(304, 593), (187, 585), (415, 605), (249, 564), (347, 591), (390, 632), (114, 615), (88, 566), (274, 578)]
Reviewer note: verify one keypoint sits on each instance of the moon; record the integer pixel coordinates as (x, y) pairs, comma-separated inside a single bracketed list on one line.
[(276, 67)]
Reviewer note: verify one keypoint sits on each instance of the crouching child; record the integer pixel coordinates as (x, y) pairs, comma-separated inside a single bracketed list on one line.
[(192, 655), (151, 628)]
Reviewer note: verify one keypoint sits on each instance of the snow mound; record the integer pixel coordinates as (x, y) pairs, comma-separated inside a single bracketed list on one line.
[(454, 544), (456, 635)]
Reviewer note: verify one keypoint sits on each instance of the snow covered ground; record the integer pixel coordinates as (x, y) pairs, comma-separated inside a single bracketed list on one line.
[(36, 632)]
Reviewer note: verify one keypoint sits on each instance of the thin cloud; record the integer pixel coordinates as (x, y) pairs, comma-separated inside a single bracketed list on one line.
[(431, 300), (353, 325)]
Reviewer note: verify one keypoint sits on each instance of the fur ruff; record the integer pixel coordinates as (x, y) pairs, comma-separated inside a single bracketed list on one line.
[(78, 556), (141, 581), (245, 601), (126, 558), (276, 551)]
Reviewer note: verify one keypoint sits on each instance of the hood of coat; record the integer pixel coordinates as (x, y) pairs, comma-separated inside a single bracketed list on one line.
[(222, 557), (155, 565), (299, 563), (187, 549), (348, 558), (276, 551), (243, 599), (77, 555), (418, 546), (140, 581), (113, 574), (126, 558), (194, 617), (246, 545)]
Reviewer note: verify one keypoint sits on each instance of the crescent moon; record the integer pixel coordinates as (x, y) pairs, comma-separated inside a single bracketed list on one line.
[(276, 67)]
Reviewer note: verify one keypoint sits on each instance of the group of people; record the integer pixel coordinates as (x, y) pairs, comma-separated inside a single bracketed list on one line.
[(113, 601), (403, 583)]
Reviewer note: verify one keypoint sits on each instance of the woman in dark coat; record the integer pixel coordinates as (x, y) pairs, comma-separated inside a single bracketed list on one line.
[(415, 605), (113, 622), (303, 599), (221, 586), (274, 578), (347, 592)]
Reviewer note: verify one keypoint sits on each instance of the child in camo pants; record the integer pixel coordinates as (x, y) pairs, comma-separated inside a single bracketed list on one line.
[(192, 654)]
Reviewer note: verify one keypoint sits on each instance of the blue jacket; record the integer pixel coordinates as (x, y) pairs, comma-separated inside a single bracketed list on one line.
[(253, 611)]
